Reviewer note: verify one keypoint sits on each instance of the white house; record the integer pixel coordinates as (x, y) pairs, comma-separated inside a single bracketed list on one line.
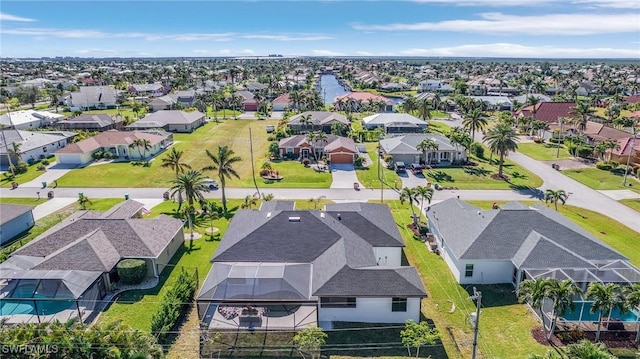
[(340, 264), (516, 242), (92, 98), (33, 145), (406, 149), (14, 219), (29, 119), (394, 123)]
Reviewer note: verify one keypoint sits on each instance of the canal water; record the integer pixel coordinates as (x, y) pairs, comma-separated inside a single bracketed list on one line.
[(330, 88)]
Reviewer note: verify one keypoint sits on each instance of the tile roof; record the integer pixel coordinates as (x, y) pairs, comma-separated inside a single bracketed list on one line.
[(549, 111), (30, 140), (364, 97), (332, 142), (599, 132), (9, 212), (101, 119), (284, 98)]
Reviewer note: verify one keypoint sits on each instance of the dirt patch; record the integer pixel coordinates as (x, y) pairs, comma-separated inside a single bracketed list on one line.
[(622, 339), (187, 235), (571, 163)]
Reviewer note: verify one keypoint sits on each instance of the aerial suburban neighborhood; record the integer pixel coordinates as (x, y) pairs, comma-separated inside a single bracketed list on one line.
[(323, 206)]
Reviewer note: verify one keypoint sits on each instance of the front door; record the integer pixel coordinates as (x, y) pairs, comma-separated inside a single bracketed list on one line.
[(305, 153)]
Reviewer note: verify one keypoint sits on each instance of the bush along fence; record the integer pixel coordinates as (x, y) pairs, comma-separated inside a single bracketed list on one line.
[(173, 303)]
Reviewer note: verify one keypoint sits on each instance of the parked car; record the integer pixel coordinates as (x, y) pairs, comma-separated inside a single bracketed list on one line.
[(211, 183), (399, 167), (270, 128), (416, 168)]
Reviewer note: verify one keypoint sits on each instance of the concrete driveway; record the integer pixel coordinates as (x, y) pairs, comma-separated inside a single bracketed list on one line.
[(410, 180), (344, 176)]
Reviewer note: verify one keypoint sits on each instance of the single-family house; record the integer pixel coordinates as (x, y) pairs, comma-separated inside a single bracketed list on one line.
[(518, 242), (337, 149), (282, 102), (281, 268), (249, 103), (628, 150), (92, 98), (147, 90), (14, 219), (317, 121), (524, 98), (170, 120), (394, 123), (407, 149), (393, 86), (119, 143), (497, 103), (173, 101), (92, 122), (66, 271), (632, 99), (548, 112), (255, 86), (29, 119), (32, 145), (357, 100), (598, 132), (432, 85)]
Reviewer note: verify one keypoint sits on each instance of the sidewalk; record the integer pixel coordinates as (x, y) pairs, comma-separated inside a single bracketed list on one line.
[(51, 206)]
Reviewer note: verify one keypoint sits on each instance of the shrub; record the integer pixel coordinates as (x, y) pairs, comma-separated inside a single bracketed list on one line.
[(271, 138), (584, 151), (132, 271), (46, 162), (21, 167), (477, 150), (97, 155), (388, 158), (171, 306), (605, 166), (41, 167), (31, 161), (306, 162), (571, 148), (359, 161), (107, 155)]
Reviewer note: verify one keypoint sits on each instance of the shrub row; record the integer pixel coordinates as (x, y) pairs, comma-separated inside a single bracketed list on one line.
[(132, 271), (172, 304), (607, 166)]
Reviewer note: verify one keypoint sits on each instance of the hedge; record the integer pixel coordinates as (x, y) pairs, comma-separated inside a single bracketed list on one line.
[(132, 271), (172, 304)]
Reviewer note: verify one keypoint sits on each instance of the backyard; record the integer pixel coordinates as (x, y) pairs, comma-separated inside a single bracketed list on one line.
[(31, 174), (543, 151)]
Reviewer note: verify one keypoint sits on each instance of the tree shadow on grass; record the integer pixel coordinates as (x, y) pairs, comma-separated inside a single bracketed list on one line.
[(494, 295), (476, 171), (440, 176)]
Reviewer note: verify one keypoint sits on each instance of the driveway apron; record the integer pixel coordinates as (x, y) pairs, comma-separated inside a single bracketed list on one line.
[(344, 176)]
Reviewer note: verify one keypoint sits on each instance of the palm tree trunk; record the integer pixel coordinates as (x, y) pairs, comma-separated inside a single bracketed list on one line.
[(544, 326), (599, 324), (224, 197), (553, 324), (501, 162)]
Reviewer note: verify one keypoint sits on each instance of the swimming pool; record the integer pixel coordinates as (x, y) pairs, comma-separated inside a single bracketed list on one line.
[(45, 307), (587, 316)]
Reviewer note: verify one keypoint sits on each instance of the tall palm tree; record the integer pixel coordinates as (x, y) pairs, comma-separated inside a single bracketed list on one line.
[(474, 120), (174, 161), (427, 145), (501, 139), (424, 193), (555, 197), (424, 109), (409, 105), (137, 143), (582, 111), (534, 292), (320, 139), (410, 195), (561, 294), (632, 301), (306, 121), (191, 184), (223, 162), (605, 298)]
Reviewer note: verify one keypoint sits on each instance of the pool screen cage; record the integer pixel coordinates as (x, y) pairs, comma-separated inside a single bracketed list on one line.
[(38, 296)]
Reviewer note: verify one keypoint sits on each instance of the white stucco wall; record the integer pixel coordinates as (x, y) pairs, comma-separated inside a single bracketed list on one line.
[(37, 152), (487, 272), (74, 158), (388, 256), (371, 310)]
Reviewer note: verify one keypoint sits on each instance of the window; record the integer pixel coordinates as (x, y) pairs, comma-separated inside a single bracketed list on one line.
[(468, 270), (44, 149), (337, 302), (289, 150), (398, 304)]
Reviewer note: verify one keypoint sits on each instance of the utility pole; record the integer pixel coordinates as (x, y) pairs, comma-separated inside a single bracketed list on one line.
[(477, 296), (253, 171), (559, 137), (626, 170), (380, 170)]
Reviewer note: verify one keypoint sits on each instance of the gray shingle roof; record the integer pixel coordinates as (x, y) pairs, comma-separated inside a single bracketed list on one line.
[(385, 118), (173, 117), (9, 212), (407, 144), (372, 222), (123, 210), (30, 140), (471, 233), (319, 118), (374, 281)]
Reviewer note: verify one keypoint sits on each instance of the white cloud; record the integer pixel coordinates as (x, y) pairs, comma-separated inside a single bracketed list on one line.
[(247, 52), (289, 38), (550, 24), (499, 3), (200, 51), (97, 34), (96, 51), (364, 53), (615, 4), (9, 17), (225, 52), (522, 51), (326, 53)]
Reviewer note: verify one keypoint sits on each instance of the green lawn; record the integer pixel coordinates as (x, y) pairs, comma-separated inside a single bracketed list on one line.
[(43, 224), (543, 151), (369, 176), (505, 326), (222, 114), (439, 127), (234, 133), (602, 180), (31, 174), (633, 203), (295, 174), (123, 111)]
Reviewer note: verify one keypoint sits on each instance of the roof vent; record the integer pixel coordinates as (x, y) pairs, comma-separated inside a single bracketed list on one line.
[(321, 214), (268, 214), (339, 217), (294, 219)]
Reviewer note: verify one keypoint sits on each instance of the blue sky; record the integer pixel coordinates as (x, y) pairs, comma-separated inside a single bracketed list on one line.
[(465, 28)]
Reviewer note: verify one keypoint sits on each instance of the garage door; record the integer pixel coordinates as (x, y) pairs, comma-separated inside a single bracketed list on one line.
[(342, 158)]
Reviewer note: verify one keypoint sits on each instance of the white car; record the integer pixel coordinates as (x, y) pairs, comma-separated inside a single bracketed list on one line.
[(211, 183)]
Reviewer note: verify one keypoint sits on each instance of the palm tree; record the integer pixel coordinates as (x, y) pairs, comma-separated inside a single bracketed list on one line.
[(16, 151), (320, 138), (137, 143), (561, 294), (632, 300), (555, 196), (424, 109), (605, 298), (83, 201), (501, 139), (306, 120), (410, 195), (582, 111), (136, 107), (409, 105), (316, 201), (190, 183), (534, 292), (223, 163), (211, 212), (426, 145), (588, 350), (424, 193), (474, 120), (174, 161), (249, 202)]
